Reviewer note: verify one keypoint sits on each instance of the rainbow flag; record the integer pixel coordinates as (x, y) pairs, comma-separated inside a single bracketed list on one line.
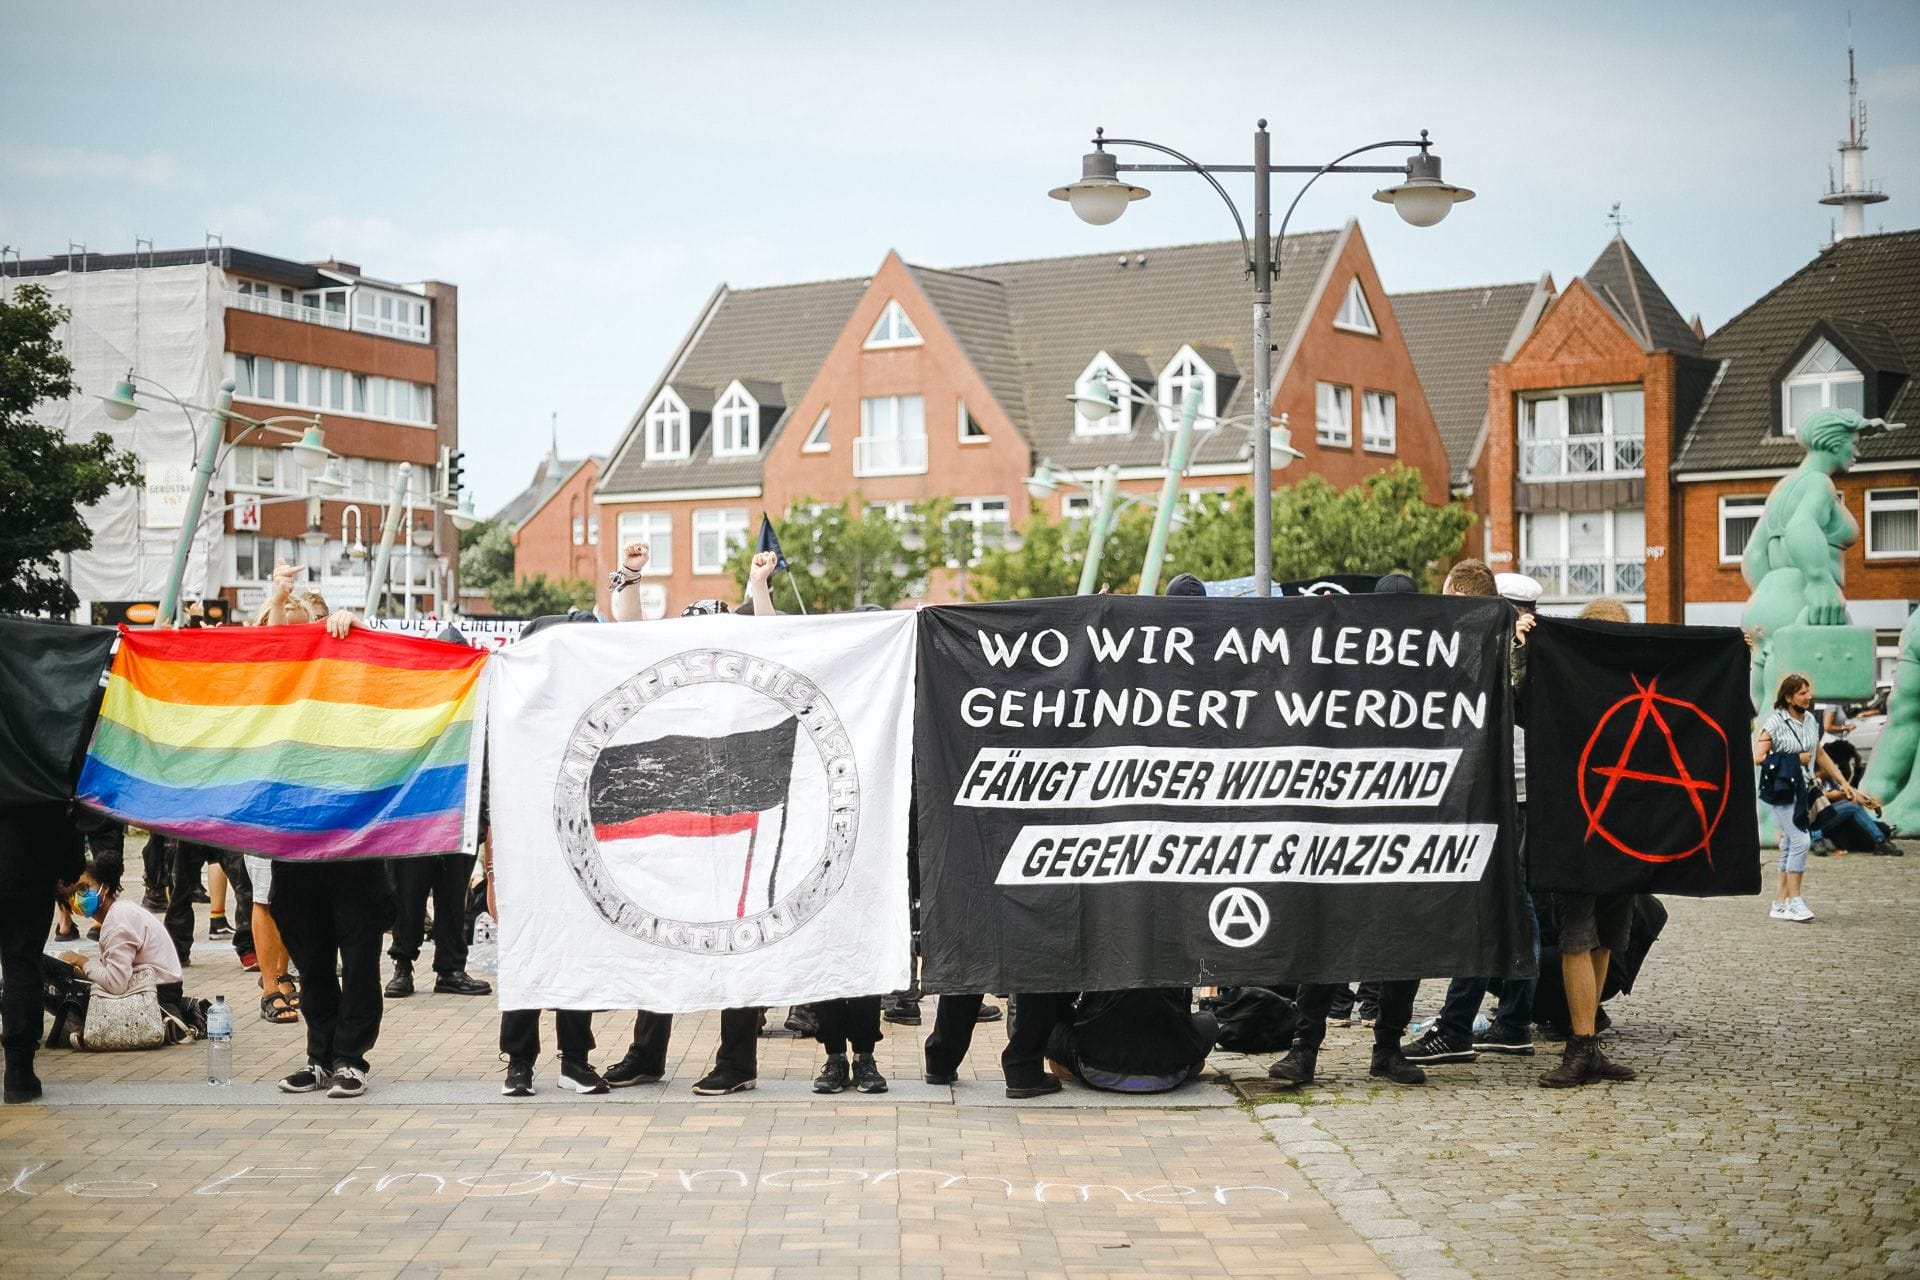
[(286, 742)]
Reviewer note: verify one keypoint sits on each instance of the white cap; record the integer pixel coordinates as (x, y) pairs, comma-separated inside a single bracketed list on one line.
[(1517, 587)]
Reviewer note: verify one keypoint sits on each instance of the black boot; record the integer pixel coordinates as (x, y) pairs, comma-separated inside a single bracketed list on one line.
[(1576, 1065), (401, 983), (1294, 1070), (1389, 1063), (21, 1084)]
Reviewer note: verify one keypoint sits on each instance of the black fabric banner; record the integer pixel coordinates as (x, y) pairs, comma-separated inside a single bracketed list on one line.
[(1639, 773), (50, 688), (1124, 791)]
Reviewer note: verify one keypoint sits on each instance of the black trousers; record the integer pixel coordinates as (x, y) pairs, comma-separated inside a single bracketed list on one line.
[(1396, 1010), (156, 861), (855, 1019), (1031, 1017), (739, 1041), (332, 916), (186, 859), (520, 1033), (24, 922), (442, 877), (953, 1024)]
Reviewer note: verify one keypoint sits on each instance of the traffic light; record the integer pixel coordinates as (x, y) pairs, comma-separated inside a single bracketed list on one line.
[(456, 461)]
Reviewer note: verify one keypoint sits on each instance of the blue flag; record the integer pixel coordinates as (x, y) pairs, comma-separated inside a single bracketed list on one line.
[(770, 541)]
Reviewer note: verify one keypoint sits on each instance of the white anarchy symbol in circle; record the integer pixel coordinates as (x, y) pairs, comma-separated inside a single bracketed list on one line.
[(1238, 917)]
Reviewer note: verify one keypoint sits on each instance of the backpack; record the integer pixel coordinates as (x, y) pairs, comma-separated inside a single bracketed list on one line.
[(1256, 1020)]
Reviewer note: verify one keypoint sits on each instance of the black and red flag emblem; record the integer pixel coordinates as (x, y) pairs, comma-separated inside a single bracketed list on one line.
[(1639, 777)]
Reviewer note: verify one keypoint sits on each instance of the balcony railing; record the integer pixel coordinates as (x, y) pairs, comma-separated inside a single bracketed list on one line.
[(268, 306), (889, 455), (1574, 457), (1582, 579)]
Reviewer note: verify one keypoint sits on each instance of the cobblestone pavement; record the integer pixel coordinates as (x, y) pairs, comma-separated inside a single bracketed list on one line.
[(1772, 1133), (1773, 1130)]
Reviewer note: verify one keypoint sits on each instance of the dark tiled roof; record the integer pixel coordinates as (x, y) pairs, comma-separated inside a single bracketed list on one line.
[(553, 473), (1454, 336), (1864, 290), (779, 334), (1029, 327), (244, 262), (1624, 283)]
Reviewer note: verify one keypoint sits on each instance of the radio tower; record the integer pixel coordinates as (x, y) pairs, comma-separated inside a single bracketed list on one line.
[(1854, 194)]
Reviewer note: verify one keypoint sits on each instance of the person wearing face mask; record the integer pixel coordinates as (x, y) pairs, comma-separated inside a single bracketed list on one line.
[(134, 948)]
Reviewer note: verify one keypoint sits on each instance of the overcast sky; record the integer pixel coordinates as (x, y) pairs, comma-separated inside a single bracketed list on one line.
[(586, 173)]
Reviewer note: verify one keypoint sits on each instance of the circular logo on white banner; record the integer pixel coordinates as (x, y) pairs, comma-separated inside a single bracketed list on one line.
[(1238, 917), (729, 832)]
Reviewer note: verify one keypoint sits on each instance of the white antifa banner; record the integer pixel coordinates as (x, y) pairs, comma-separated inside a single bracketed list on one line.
[(702, 813)]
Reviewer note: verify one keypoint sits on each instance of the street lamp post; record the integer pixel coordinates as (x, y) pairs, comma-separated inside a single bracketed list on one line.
[(1100, 196)]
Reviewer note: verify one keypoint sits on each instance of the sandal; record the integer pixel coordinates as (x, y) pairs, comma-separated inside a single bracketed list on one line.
[(275, 1007), (293, 994)]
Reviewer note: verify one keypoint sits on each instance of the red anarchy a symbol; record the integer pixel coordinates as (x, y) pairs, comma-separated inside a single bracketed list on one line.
[(1651, 707)]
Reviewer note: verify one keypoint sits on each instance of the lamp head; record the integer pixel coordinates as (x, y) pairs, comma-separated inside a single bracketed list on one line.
[(464, 516), (1042, 483), (311, 452), (1100, 196), (422, 535), (1094, 400), (911, 539), (121, 405), (1423, 199), (332, 480)]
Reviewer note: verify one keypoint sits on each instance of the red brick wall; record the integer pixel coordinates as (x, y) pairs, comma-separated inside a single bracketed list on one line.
[(1709, 580), (544, 541)]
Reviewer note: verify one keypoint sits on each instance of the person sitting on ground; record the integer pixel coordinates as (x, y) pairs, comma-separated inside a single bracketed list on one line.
[(1144, 1041), (134, 949), (1852, 823)]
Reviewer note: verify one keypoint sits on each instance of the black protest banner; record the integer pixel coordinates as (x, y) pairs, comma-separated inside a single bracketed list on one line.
[(1118, 791), (1638, 773), (50, 688)]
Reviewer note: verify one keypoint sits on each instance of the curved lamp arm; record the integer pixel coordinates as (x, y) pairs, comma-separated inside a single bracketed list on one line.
[(1246, 246), (1281, 235)]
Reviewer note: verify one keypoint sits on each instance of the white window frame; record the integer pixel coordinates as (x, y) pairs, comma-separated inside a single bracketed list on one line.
[(668, 412), (593, 526), (1373, 438), (1886, 502), (736, 424), (1354, 320), (978, 514), (655, 528), (898, 458), (1325, 429), (338, 391), (1846, 374), (818, 440), (1186, 366), (1553, 574), (1076, 506), (1556, 451), (729, 524), (1739, 506), (969, 428), (1104, 368), (892, 329), (580, 530)]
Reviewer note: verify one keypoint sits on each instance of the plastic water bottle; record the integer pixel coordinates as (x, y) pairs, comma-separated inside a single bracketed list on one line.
[(220, 1042)]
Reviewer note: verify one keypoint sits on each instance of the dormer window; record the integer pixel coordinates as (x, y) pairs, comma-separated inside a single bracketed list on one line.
[(736, 424), (1355, 315), (667, 427), (1104, 374), (893, 329), (1185, 372), (1824, 380)]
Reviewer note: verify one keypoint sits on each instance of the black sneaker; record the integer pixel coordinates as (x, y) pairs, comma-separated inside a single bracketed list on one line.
[(905, 1013), (1369, 1014), (801, 1022), (832, 1078), (866, 1075), (720, 1080), (458, 983), (628, 1071), (579, 1077), (348, 1082), (1047, 1085), (1499, 1039), (988, 1013), (218, 926), (941, 1077), (519, 1083), (1393, 1064), (1435, 1047), (308, 1079)]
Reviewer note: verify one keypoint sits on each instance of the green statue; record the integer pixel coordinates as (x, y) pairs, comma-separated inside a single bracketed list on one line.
[(1793, 564), (1894, 774)]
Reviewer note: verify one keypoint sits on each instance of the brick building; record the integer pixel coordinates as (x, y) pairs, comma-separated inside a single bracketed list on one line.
[(917, 383), (1583, 421), (1843, 331), (378, 361), (559, 535)]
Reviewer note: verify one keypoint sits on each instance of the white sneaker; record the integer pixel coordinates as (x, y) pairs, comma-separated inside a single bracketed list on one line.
[(1798, 910), (1779, 912)]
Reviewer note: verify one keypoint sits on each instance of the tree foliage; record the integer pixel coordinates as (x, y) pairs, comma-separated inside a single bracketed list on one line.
[(45, 479), (863, 555), (537, 596), (1380, 525), (486, 556), (1048, 560)]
